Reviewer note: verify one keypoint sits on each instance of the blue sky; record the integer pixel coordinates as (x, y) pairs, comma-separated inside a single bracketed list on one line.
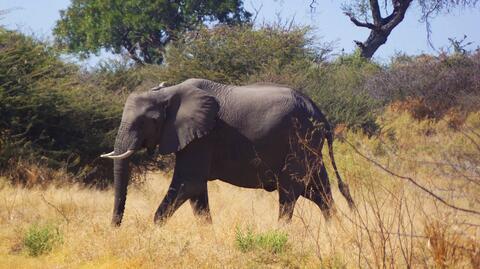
[(39, 16)]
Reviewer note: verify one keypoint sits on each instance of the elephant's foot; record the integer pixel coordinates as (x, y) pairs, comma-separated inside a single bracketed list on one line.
[(200, 207)]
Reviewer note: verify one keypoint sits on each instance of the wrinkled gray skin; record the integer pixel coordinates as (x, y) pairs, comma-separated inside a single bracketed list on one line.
[(240, 135)]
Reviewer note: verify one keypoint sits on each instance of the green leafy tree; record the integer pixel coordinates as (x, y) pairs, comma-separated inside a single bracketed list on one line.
[(138, 28)]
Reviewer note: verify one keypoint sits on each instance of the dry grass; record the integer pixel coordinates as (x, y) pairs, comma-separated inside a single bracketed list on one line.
[(395, 226)]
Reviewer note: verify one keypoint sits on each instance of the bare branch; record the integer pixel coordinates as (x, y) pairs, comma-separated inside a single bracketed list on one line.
[(399, 10), (313, 3), (56, 209), (256, 11), (359, 23), (413, 181)]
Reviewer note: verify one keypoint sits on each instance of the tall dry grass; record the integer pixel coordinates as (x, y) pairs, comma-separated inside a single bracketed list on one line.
[(395, 225)]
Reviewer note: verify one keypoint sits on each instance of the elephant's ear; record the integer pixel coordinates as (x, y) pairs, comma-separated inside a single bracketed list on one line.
[(190, 113)]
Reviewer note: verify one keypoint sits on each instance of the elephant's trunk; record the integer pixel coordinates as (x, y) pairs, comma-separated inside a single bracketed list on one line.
[(121, 172)]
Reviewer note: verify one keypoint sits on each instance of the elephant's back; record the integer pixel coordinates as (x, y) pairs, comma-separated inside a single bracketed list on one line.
[(256, 110)]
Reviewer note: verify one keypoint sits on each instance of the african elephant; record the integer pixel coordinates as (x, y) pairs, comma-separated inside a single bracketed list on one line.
[(238, 134)]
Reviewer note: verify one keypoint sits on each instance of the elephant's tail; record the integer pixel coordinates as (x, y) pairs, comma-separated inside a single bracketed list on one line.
[(342, 186)]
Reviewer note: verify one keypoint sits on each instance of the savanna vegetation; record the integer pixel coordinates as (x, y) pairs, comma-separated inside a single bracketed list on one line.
[(408, 136)]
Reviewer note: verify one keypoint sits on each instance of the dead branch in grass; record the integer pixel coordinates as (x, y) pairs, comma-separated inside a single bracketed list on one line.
[(411, 180), (56, 209)]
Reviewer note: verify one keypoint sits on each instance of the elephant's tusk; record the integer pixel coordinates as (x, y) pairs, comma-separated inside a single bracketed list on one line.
[(121, 156), (106, 155)]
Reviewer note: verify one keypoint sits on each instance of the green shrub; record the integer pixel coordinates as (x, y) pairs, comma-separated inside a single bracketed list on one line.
[(56, 115), (60, 116), (117, 76), (40, 239), (232, 54), (338, 90), (51, 114), (270, 241)]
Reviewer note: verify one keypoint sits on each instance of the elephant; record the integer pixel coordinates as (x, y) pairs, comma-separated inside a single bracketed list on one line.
[(262, 135)]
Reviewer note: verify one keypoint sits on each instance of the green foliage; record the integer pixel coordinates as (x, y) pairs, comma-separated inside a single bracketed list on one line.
[(40, 239), (114, 76), (271, 241), (337, 88), (51, 114), (139, 28), (234, 54)]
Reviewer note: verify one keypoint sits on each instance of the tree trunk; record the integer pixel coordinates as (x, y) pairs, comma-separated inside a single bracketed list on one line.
[(381, 27), (371, 45)]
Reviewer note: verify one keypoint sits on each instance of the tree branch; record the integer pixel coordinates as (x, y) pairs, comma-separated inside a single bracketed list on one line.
[(130, 49), (359, 23), (399, 9), (359, 44), (56, 209), (375, 8)]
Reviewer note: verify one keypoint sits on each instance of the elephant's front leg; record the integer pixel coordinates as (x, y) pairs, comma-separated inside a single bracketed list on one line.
[(189, 181), (200, 206)]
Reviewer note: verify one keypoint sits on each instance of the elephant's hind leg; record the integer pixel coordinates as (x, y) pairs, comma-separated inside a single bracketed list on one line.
[(174, 198), (319, 192), (178, 193), (200, 206)]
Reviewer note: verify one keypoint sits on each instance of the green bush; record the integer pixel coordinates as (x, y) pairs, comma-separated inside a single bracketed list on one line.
[(232, 55), (40, 239), (271, 241), (114, 76), (337, 88), (51, 114)]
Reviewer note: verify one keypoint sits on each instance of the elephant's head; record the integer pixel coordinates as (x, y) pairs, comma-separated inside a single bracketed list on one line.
[(169, 118)]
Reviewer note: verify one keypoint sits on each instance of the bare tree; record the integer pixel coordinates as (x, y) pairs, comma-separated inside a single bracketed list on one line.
[(368, 14)]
